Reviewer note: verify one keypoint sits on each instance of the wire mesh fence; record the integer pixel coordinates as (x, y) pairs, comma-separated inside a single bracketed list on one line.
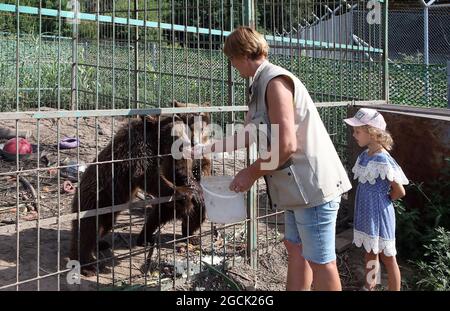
[(328, 80), (407, 33), (108, 76), (418, 85), (412, 81)]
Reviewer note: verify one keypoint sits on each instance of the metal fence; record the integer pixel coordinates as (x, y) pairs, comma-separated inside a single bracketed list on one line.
[(89, 75), (407, 33), (419, 49)]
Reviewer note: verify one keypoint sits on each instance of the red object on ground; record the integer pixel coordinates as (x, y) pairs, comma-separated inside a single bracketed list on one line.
[(24, 146)]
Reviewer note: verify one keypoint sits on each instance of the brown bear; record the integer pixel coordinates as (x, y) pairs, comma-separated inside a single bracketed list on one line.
[(135, 147)]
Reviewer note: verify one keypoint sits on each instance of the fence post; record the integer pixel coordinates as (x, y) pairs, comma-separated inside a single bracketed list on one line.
[(426, 47), (448, 84), (426, 53), (249, 13), (74, 69), (136, 56), (386, 51), (426, 37), (252, 198)]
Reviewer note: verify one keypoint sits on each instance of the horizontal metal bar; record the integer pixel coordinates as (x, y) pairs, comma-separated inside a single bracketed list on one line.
[(331, 104), (34, 89), (433, 113), (83, 214), (350, 103), (443, 5), (269, 215), (295, 48), (182, 28), (26, 115), (108, 19), (58, 167), (36, 278), (326, 45)]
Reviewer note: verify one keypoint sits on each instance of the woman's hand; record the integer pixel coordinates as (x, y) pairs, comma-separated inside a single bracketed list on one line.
[(243, 181), (196, 152)]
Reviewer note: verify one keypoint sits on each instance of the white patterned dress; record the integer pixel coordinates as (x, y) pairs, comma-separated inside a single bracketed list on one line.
[(374, 219)]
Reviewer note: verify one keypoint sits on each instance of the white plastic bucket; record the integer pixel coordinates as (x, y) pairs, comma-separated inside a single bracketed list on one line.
[(222, 205)]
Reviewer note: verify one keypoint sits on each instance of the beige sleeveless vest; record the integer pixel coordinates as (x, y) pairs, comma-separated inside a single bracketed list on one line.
[(315, 174)]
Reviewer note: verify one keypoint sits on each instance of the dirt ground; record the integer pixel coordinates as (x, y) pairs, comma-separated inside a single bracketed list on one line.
[(37, 258), (271, 272)]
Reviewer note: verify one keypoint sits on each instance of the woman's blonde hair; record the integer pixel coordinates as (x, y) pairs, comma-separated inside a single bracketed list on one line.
[(383, 138), (245, 41)]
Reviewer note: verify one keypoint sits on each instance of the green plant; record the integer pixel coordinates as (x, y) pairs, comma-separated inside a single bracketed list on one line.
[(440, 199), (409, 235), (423, 236), (434, 269), (411, 59), (417, 227)]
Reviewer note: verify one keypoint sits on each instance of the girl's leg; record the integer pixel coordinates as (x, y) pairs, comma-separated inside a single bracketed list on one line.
[(299, 275), (372, 266), (393, 271)]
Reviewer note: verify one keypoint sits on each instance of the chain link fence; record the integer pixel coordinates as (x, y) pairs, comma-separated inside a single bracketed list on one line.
[(406, 35), (412, 81)]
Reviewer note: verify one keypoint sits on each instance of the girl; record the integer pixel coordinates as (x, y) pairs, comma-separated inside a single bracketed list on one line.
[(380, 181)]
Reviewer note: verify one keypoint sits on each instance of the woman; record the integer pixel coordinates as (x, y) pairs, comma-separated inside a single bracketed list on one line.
[(310, 179)]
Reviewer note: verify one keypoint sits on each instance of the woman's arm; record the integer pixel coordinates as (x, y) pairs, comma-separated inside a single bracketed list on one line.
[(279, 99), (397, 191), (229, 143), (280, 105)]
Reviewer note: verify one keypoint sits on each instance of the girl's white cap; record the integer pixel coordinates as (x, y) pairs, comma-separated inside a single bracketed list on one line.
[(367, 116)]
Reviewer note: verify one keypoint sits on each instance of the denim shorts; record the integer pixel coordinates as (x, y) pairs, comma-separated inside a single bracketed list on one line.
[(315, 229)]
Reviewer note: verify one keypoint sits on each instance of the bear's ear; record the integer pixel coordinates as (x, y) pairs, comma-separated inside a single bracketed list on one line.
[(177, 104), (206, 117), (150, 119), (206, 104), (176, 118)]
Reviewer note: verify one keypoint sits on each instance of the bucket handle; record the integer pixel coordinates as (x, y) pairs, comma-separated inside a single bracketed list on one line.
[(219, 195)]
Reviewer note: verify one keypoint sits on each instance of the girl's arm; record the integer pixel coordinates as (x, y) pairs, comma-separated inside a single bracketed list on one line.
[(397, 191)]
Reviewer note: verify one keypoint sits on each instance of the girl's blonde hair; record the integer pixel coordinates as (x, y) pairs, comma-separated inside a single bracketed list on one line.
[(383, 138), (245, 41)]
